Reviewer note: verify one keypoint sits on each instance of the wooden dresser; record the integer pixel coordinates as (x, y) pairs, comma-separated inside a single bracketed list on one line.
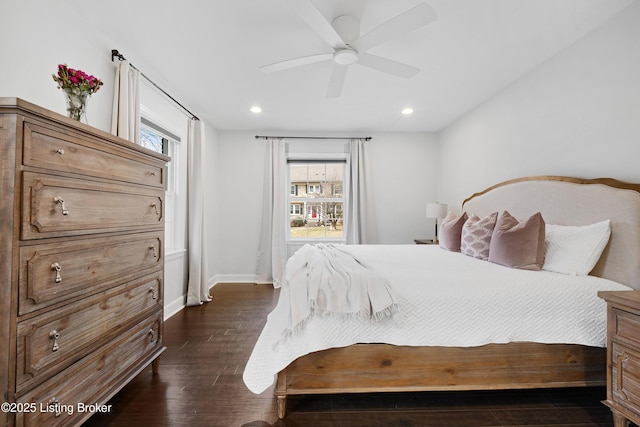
[(81, 265), (623, 355)]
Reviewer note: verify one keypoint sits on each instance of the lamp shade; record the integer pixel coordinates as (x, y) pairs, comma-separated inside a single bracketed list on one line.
[(436, 210)]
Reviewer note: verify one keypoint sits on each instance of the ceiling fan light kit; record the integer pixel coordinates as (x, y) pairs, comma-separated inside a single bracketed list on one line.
[(349, 46), (345, 56)]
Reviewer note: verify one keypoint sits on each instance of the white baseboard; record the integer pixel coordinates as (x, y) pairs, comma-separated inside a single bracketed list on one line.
[(232, 278), (174, 307)]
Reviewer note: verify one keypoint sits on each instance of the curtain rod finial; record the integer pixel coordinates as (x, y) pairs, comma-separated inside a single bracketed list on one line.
[(116, 54)]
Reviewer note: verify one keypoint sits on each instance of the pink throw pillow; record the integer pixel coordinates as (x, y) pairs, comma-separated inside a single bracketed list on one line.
[(451, 231), (518, 244), (476, 236)]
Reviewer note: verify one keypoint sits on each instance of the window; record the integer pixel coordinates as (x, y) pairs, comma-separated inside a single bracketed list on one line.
[(314, 189), (296, 209), (316, 207), (153, 141), (162, 141)]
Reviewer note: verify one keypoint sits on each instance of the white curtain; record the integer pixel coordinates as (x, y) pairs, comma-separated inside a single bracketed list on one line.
[(272, 251), (198, 288), (125, 118), (361, 227)]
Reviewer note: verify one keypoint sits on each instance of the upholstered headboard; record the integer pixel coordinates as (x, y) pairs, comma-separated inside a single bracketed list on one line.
[(573, 201)]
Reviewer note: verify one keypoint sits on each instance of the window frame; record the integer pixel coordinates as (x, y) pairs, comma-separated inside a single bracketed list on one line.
[(172, 181), (318, 158)]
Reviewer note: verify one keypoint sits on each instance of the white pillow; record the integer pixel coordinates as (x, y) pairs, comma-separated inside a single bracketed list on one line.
[(575, 250)]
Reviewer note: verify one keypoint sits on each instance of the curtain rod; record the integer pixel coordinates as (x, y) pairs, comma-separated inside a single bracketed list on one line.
[(116, 54), (366, 138)]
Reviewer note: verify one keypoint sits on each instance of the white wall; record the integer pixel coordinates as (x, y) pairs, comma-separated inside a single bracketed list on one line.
[(237, 206), (405, 173), (404, 169), (578, 114), (37, 39)]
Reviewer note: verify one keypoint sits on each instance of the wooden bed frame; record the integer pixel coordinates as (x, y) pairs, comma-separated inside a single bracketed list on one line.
[(364, 368)]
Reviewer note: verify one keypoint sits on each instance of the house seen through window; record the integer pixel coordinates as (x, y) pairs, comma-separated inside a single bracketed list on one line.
[(316, 200)]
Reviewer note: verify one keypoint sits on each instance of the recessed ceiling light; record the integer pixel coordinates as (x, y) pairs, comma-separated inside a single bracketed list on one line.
[(255, 109), (406, 111)]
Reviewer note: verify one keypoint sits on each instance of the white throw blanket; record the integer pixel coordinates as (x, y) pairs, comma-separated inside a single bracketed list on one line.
[(326, 280)]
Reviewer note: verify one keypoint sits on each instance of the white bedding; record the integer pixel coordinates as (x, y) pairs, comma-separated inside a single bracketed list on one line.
[(445, 299)]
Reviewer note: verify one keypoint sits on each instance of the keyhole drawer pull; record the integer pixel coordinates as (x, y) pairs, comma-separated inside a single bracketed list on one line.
[(55, 335), (154, 294), (154, 336), (60, 151), (153, 248), (54, 406), (56, 267), (621, 359), (154, 206), (59, 201)]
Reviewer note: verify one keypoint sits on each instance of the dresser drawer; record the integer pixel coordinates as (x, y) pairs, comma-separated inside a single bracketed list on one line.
[(627, 325), (52, 341), (55, 206), (71, 152), (625, 376), (85, 381), (56, 272)]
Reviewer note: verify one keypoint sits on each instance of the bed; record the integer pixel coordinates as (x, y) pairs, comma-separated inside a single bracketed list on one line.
[(366, 357)]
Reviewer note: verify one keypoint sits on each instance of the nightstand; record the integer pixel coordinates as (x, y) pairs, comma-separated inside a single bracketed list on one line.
[(425, 242), (623, 355)]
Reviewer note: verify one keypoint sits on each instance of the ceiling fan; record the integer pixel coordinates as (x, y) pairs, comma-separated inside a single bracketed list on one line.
[(349, 47)]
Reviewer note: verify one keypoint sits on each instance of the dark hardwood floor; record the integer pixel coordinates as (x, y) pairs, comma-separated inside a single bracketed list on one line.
[(200, 384)]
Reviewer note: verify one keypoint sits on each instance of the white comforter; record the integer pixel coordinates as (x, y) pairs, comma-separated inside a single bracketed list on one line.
[(445, 299)]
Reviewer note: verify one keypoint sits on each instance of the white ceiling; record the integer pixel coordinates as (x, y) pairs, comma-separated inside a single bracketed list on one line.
[(206, 54)]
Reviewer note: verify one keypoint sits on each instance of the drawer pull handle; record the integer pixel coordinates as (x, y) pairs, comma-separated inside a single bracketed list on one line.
[(154, 206), (153, 248), (152, 173), (54, 335), (59, 201), (54, 406), (154, 294), (60, 151), (621, 359), (56, 267), (154, 337)]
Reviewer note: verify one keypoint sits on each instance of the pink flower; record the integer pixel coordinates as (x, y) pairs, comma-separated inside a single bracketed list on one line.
[(68, 78)]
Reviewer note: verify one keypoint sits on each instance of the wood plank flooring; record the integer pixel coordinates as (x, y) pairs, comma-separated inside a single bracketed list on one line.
[(200, 384)]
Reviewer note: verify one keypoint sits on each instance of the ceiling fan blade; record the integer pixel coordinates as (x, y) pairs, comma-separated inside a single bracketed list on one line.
[(318, 23), (387, 65), (336, 82), (408, 21), (295, 62)]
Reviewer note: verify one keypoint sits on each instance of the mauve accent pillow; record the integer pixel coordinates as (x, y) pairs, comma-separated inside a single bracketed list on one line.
[(451, 231), (476, 236), (518, 244)]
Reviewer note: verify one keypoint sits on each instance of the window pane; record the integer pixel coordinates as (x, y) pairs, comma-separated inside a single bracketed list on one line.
[(317, 220), (316, 206), (152, 140)]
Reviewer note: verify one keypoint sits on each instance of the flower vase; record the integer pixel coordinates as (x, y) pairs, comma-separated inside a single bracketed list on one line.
[(77, 103)]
